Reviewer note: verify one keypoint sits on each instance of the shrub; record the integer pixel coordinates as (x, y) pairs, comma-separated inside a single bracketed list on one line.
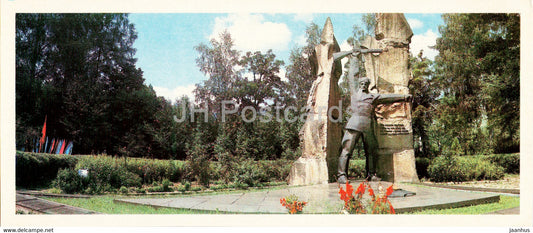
[(151, 170), (275, 170), (465, 168), (34, 169), (510, 162), (106, 174), (69, 181), (447, 168), (123, 190), (166, 185), (249, 173)]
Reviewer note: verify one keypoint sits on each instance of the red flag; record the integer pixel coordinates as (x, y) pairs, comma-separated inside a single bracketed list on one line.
[(41, 142), (63, 147)]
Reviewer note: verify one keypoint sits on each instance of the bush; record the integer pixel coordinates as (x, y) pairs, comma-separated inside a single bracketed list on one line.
[(249, 173), (69, 181), (34, 169), (151, 170), (466, 168), (123, 190), (510, 162), (105, 175), (356, 168), (447, 168), (275, 170)]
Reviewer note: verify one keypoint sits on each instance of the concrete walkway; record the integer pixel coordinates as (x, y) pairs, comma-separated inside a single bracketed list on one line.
[(39, 205), (321, 198)]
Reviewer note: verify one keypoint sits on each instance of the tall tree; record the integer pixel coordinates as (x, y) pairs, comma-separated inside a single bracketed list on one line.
[(477, 72), (79, 70), (219, 62), (300, 74), (424, 96), (265, 83)]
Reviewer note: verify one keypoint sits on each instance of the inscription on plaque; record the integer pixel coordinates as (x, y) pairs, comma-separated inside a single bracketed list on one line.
[(392, 129)]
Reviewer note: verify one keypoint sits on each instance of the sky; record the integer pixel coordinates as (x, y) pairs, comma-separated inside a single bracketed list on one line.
[(165, 42)]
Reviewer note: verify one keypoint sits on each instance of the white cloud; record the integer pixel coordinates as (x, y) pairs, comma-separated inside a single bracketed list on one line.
[(250, 32), (422, 42), (176, 93), (305, 17), (415, 23)]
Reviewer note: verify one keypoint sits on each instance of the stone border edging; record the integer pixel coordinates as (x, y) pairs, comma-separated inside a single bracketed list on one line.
[(40, 194), (492, 190), (485, 200)]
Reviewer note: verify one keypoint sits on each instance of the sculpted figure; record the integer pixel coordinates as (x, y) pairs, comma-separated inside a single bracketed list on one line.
[(360, 124)]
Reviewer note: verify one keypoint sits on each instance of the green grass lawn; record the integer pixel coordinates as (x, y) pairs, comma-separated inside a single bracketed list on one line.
[(506, 202)]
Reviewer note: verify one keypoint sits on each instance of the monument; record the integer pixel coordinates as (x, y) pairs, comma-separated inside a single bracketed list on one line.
[(389, 73), (320, 137), (383, 120)]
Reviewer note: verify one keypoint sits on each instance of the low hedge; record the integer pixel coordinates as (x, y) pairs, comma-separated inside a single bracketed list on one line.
[(463, 168), (510, 162), (109, 174), (38, 170)]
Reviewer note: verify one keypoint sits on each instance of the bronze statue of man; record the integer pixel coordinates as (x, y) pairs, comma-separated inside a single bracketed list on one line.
[(360, 124)]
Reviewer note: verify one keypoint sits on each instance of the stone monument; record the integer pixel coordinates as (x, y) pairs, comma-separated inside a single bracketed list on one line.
[(320, 137), (389, 73)]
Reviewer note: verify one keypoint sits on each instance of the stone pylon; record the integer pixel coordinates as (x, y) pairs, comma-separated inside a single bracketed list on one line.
[(389, 73), (321, 134)]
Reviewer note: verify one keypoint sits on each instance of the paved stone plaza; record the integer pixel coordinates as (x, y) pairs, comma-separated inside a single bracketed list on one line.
[(323, 199)]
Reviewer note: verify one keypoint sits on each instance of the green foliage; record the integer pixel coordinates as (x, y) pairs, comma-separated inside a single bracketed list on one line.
[(199, 157), (107, 174), (356, 168), (163, 186), (79, 71), (477, 76), (69, 181), (40, 169), (510, 162), (424, 98), (465, 168), (123, 190), (151, 170)]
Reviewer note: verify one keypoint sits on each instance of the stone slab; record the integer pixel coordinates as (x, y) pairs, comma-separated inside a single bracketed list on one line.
[(21, 197), (322, 199), (48, 207)]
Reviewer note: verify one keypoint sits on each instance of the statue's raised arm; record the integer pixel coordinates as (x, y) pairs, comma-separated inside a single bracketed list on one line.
[(353, 71)]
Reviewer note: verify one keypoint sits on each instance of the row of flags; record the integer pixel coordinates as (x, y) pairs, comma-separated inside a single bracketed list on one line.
[(52, 146)]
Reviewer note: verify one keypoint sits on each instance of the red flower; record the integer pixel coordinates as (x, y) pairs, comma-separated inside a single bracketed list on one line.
[(389, 191), (361, 189), (349, 190), (343, 194), (371, 192)]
